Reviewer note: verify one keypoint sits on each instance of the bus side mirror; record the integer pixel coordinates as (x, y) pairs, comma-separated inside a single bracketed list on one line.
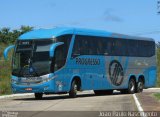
[(5, 53), (53, 47)]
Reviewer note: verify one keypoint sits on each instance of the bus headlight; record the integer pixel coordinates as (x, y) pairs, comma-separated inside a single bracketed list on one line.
[(45, 78)]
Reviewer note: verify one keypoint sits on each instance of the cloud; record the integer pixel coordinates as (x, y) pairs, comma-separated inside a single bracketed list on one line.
[(109, 16)]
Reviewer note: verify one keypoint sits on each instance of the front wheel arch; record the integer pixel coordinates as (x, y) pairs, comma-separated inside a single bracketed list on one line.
[(78, 81), (74, 87)]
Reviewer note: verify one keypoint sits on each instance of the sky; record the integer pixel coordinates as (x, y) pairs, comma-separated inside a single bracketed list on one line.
[(132, 17)]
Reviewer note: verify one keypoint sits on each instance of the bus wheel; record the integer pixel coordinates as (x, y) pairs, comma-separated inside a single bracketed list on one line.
[(38, 96), (140, 86), (131, 86), (73, 90)]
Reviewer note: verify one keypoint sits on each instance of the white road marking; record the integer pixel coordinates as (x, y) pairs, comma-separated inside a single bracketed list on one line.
[(140, 109), (15, 95)]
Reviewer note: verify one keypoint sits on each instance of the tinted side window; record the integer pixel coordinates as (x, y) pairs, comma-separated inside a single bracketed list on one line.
[(66, 39), (80, 46), (152, 48), (115, 47), (140, 48), (146, 48), (132, 47), (92, 45), (61, 52), (88, 45)]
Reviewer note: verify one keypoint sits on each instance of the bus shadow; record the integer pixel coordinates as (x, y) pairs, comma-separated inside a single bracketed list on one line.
[(59, 97)]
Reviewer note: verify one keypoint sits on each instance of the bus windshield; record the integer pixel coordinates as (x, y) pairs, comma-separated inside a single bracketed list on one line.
[(31, 58)]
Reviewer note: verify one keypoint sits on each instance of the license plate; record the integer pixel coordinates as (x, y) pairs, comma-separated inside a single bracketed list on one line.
[(28, 89)]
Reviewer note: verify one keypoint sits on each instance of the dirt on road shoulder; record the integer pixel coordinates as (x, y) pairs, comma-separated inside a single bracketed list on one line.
[(148, 101)]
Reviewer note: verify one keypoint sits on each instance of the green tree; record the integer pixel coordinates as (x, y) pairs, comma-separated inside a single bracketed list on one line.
[(5, 30), (158, 63), (9, 36), (25, 29), (158, 44), (4, 35)]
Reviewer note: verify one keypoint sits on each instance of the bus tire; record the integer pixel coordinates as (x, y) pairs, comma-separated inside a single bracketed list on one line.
[(131, 86), (73, 90), (140, 86), (38, 96)]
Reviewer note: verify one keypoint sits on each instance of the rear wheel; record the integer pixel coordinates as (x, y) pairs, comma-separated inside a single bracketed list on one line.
[(140, 86), (73, 90), (131, 86), (38, 96)]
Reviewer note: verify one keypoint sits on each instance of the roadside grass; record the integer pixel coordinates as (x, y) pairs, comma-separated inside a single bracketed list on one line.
[(157, 96), (158, 67), (5, 73)]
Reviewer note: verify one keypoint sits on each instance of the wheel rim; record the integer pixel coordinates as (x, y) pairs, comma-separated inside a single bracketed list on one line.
[(132, 86), (75, 88), (140, 86)]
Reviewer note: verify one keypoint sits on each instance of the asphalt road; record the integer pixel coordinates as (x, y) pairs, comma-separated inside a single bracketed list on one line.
[(85, 105)]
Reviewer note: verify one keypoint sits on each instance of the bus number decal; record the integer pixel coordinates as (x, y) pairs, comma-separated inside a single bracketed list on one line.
[(116, 73), (87, 61)]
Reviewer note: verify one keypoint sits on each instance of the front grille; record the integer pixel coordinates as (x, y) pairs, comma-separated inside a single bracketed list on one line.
[(29, 80)]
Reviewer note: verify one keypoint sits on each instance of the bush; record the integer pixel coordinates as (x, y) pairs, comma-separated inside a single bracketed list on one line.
[(158, 67), (5, 75)]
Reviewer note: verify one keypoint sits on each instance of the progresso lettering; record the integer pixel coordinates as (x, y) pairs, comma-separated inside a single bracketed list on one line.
[(87, 61)]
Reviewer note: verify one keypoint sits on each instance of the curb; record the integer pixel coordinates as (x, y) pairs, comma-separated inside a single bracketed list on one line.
[(154, 88), (15, 95)]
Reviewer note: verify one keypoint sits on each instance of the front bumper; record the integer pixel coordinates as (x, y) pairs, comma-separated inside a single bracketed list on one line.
[(45, 87)]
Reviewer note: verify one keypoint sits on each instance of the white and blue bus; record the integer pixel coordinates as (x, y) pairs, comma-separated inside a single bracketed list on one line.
[(67, 60)]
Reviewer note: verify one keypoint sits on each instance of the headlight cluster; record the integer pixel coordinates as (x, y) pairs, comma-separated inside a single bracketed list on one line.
[(45, 78)]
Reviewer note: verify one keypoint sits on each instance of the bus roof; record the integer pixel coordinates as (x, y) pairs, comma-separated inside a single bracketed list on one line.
[(55, 32)]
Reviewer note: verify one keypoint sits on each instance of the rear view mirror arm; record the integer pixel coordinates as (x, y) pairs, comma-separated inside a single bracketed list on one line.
[(5, 53), (53, 47)]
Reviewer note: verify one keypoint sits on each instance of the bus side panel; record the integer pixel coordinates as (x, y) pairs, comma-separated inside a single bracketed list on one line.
[(62, 80), (152, 77), (89, 68), (150, 72), (116, 72), (131, 66)]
